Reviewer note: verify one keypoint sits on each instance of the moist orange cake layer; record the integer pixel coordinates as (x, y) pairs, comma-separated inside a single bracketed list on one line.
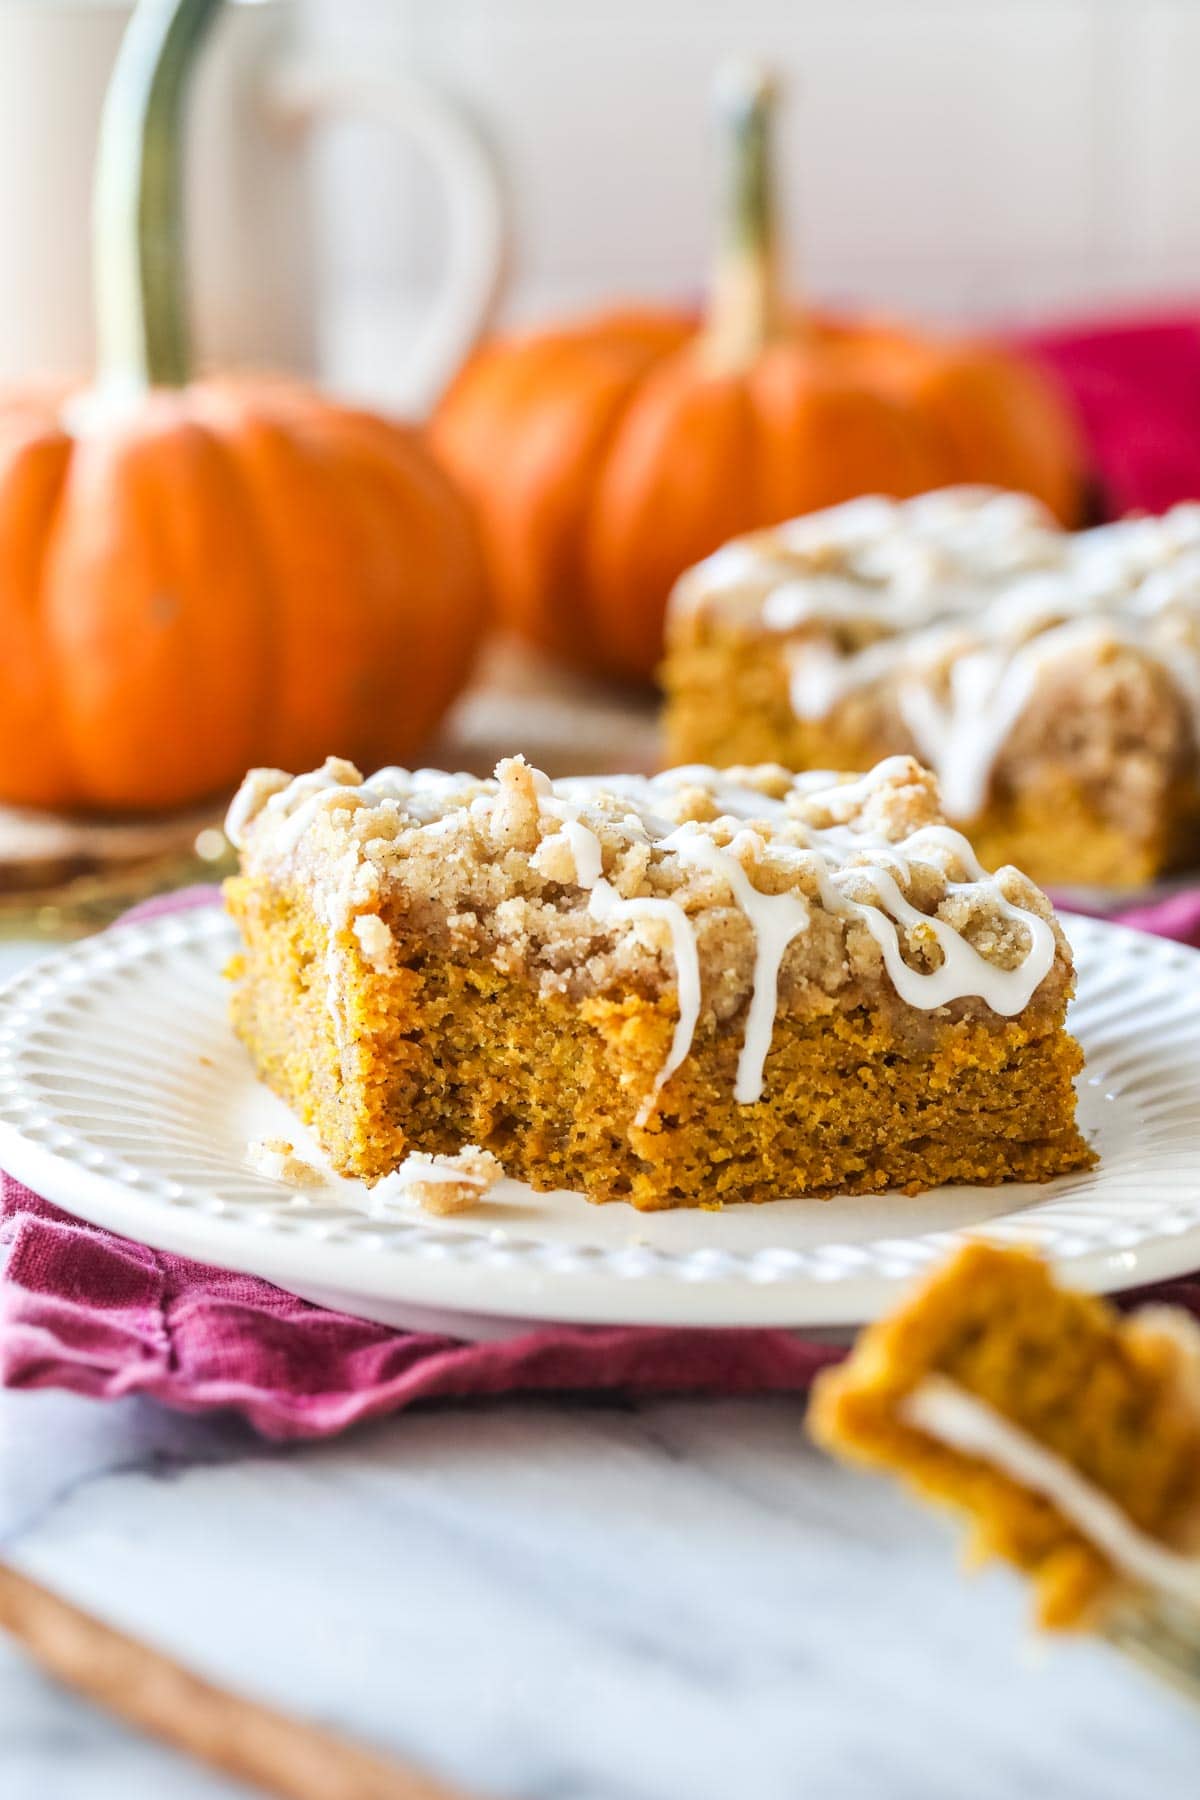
[(1115, 1399), (627, 988), (1052, 678)]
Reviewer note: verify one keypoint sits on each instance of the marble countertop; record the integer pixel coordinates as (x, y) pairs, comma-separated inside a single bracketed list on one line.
[(557, 1601)]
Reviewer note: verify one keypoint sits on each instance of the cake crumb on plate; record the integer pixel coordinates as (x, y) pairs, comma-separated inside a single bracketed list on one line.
[(276, 1159), (443, 1185)]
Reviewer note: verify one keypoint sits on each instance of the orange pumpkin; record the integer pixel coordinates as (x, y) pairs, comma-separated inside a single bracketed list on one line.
[(195, 577), (606, 457)]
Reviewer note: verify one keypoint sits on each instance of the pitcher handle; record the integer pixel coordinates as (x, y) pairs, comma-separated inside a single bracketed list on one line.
[(476, 212)]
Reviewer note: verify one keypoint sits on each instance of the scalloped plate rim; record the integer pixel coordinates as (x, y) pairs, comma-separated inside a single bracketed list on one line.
[(511, 1281)]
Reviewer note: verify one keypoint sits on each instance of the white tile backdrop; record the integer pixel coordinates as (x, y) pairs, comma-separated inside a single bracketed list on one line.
[(967, 158)]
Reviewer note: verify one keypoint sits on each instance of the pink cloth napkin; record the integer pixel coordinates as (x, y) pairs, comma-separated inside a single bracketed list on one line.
[(1136, 386), (85, 1310)]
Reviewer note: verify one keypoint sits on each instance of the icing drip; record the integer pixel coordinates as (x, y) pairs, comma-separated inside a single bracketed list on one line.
[(962, 969), (296, 802), (585, 845), (775, 918), (845, 795), (334, 963), (315, 791), (957, 1419), (606, 906), (822, 676), (912, 558), (961, 736)]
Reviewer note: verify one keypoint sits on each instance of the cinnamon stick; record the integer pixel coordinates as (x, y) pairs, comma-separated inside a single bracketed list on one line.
[(254, 1744)]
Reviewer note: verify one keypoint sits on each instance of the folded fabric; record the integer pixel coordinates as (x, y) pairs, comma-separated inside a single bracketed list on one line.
[(1177, 917), (83, 1309), (1136, 387)]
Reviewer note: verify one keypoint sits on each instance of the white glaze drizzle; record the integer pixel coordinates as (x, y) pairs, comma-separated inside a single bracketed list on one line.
[(607, 907), (948, 1413), (820, 676), (962, 970), (975, 594), (910, 561), (775, 920), (317, 791), (340, 945), (834, 855), (960, 735)]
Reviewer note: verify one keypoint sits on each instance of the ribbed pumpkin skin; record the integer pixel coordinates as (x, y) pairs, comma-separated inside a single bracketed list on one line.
[(607, 458), (1001, 419), (240, 573)]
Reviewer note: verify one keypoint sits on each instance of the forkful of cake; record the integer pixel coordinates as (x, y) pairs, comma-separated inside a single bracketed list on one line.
[(1067, 1433)]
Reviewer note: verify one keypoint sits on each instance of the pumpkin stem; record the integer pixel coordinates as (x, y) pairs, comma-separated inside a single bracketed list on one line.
[(137, 204), (744, 306)]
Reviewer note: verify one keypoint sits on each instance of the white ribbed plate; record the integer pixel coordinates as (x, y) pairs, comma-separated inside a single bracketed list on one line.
[(125, 1098)]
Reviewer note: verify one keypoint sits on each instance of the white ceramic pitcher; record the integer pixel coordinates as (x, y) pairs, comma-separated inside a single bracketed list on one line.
[(248, 194)]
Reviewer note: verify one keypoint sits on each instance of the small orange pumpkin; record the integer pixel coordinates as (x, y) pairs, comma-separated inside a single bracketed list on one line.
[(195, 577), (607, 456)]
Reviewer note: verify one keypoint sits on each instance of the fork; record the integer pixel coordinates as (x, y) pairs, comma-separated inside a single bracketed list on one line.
[(1163, 1638)]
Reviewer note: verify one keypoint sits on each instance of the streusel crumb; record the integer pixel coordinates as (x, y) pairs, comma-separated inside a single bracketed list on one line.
[(444, 1185), (276, 1159), (375, 941)]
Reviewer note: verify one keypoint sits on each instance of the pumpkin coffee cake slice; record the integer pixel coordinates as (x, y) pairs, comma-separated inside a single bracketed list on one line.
[(1051, 678), (684, 990), (1067, 1433)]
